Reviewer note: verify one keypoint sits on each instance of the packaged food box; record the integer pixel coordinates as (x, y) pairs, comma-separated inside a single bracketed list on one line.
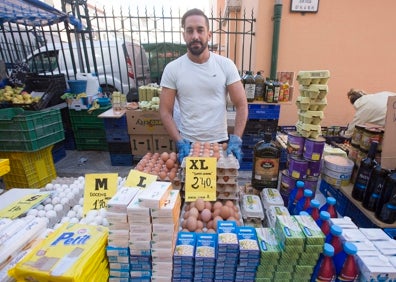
[(252, 207), (227, 235), (155, 195), (288, 231), (120, 201), (184, 248), (313, 233), (269, 247), (206, 247), (271, 197), (272, 212)]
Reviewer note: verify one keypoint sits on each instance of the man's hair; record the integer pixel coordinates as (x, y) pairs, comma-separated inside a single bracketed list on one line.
[(194, 12), (353, 95)]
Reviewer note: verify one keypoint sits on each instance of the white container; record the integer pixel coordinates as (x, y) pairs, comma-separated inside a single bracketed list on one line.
[(252, 207), (271, 197), (92, 83)]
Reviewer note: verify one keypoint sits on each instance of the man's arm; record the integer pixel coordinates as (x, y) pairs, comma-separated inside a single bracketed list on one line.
[(167, 102), (238, 98)]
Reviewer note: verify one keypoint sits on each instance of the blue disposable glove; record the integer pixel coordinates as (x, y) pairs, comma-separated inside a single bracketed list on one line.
[(183, 148), (235, 146)]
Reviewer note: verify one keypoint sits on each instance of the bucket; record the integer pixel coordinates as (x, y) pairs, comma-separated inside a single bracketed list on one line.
[(92, 83), (77, 86)]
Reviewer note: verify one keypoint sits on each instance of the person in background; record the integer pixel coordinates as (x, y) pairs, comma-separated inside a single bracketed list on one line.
[(369, 108), (199, 81)]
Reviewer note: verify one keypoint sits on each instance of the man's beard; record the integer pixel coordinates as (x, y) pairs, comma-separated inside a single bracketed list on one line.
[(197, 50)]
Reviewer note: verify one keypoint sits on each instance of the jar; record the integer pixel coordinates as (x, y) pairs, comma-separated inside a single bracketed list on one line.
[(368, 135), (353, 152), (357, 134)]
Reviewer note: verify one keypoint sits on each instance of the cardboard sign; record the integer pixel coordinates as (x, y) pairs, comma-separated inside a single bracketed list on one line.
[(201, 178), (21, 206), (139, 179), (388, 154), (98, 190)]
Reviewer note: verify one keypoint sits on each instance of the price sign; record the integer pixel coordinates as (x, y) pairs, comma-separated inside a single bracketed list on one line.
[(200, 179), (23, 205), (98, 190), (139, 179)]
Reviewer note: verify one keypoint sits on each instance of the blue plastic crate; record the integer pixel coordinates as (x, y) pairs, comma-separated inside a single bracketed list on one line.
[(245, 166), (358, 217), (342, 203), (391, 232), (116, 123), (58, 153), (263, 111), (121, 159), (117, 135)]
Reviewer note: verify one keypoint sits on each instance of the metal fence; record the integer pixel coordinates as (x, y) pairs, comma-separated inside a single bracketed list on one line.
[(160, 34)]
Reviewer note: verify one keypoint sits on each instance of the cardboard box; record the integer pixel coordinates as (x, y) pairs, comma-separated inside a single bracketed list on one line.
[(163, 143), (144, 122), (141, 144)]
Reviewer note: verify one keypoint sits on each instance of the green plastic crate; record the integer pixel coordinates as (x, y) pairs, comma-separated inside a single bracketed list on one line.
[(87, 119), (29, 131)]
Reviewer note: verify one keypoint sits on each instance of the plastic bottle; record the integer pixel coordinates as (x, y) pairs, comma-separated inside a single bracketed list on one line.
[(329, 206), (324, 222), (363, 175), (374, 187), (325, 267), (249, 85), (295, 195), (386, 209), (313, 209), (259, 80), (350, 269), (266, 156), (334, 238), (304, 202)]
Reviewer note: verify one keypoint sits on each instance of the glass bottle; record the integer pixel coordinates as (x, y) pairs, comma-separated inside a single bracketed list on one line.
[(326, 270), (363, 175), (374, 187), (304, 202), (313, 209), (329, 206), (269, 91), (259, 90), (386, 208), (295, 195), (249, 85), (266, 157), (277, 87), (324, 222), (350, 269)]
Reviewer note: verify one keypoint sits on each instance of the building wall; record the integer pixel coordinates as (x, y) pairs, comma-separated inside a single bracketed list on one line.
[(355, 40)]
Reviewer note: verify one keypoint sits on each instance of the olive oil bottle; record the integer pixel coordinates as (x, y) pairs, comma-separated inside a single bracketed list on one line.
[(265, 172)]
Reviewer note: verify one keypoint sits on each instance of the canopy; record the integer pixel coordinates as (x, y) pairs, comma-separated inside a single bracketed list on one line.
[(29, 12)]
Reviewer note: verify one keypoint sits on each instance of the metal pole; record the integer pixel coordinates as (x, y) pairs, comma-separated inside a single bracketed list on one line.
[(275, 37)]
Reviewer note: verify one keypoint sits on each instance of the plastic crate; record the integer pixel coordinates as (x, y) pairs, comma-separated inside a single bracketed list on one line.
[(263, 111), (120, 147), (52, 86), (116, 123), (391, 232), (80, 133), (121, 159), (342, 204), (58, 152), (91, 144), (358, 217), (70, 143), (29, 169), (27, 131), (87, 119), (244, 166), (4, 166)]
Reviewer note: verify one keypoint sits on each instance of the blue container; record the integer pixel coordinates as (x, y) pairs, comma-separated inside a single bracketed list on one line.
[(77, 86)]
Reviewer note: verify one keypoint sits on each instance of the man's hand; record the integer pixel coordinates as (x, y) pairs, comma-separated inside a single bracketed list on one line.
[(183, 149), (235, 146)]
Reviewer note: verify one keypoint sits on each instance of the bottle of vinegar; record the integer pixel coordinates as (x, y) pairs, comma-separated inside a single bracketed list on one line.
[(265, 170), (364, 172)]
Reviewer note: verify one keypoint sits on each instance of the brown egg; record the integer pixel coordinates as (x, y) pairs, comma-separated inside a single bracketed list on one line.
[(192, 204), (224, 146), (173, 156), (199, 230), (184, 224), (164, 156), (216, 212), (208, 205), (231, 218), (172, 175), (211, 230), (217, 205), (209, 225), (194, 212), (162, 175), (191, 223), (200, 204), (185, 230), (229, 204), (200, 224), (225, 212), (170, 163), (206, 215), (215, 220), (186, 214)]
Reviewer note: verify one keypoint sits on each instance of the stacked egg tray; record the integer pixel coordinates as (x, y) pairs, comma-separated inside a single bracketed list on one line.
[(227, 168), (311, 101), (164, 166)]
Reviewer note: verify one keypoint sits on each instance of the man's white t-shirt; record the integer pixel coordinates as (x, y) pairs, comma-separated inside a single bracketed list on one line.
[(201, 95), (370, 108)]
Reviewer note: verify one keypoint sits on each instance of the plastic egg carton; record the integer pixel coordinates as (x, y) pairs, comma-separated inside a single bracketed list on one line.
[(308, 130), (313, 77)]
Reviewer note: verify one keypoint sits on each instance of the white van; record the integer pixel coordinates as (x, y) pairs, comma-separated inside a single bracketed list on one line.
[(121, 66)]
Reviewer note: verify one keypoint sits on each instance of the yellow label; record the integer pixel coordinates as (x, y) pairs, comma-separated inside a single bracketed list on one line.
[(99, 189), (139, 179), (200, 179), (23, 205)]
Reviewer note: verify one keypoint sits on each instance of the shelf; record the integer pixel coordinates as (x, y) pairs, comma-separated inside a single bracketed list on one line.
[(347, 191)]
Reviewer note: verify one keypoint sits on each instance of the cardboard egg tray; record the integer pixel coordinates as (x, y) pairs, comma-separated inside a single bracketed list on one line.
[(308, 130), (313, 77)]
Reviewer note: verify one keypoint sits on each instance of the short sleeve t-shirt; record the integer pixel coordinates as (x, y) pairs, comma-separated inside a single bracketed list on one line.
[(201, 95)]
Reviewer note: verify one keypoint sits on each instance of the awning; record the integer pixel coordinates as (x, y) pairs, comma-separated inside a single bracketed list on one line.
[(30, 12)]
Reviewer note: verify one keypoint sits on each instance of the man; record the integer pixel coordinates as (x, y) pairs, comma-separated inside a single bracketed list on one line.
[(370, 108), (200, 81)]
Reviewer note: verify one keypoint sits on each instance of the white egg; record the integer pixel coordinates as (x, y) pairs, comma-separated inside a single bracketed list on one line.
[(80, 213), (57, 186), (64, 201), (33, 212), (65, 186), (105, 222), (65, 219), (98, 220), (103, 212), (58, 208), (56, 226), (41, 213), (71, 214), (76, 208), (81, 201), (62, 194), (48, 207), (55, 200), (49, 186), (30, 217), (92, 212), (51, 214), (74, 220), (47, 201)]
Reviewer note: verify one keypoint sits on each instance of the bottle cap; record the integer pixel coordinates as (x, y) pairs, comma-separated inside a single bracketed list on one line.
[(350, 248), (331, 201), (300, 184), (328, 249), (324, 215), (303, 213), (308, 193), (336, 230), (314, 203)]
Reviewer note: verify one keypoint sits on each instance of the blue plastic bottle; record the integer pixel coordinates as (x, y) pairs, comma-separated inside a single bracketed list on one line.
[(329, 206), (325, 269), (349, 270), (313, 209), (304, 203), (295, 195), (324, 222)]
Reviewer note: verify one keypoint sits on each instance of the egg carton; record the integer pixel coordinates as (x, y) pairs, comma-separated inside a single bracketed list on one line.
[(223, 188), (313, 77), (225, 179), (227, 195), (311, 117), (308, 130), (227, 172), (314, 91)]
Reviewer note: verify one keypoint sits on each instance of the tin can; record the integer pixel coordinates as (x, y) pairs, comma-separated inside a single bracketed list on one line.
[(357, 134), (287, 183), (298, 167), (295, 143), (311, 183), (314, 168), (313, 148)]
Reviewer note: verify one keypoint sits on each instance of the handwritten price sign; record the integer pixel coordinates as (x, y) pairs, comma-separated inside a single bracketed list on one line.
[(200, 179)]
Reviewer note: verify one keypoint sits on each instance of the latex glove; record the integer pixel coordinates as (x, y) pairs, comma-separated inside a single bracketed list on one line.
[(235, 146), (183, 149)]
